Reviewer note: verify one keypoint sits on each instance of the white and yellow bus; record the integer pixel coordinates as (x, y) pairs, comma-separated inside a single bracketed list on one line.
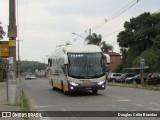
[(77, 68)]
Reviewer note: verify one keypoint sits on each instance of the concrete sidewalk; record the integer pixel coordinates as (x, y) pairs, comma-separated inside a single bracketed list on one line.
[(4, 106)]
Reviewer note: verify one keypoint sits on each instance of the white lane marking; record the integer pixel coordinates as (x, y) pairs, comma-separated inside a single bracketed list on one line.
[(63, 109), (139, 105), (95, 102), (132, 110), (154, 103), (154, 109), (116, 97), (125, 100), (120, 98), (45, 106), (92, 102), (123, 108), (113, 106), (45, 118)]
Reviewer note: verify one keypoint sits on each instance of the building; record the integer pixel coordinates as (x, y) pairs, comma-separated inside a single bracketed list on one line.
[(114, 60)]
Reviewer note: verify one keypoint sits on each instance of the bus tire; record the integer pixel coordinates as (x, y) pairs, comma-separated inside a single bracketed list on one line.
[(94, 92), (53, 88)]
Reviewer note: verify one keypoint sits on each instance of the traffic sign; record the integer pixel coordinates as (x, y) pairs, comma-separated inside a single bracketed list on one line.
[(142, 62), (4, 49)]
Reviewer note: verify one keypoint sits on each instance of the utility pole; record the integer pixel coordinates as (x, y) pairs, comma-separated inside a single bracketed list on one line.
[(90, 31), (12, 34)]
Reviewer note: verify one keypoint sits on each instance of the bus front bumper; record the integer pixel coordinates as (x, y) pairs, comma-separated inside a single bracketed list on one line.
[(85, 88)]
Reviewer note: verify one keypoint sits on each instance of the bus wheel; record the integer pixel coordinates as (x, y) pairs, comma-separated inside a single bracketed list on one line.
[(53, 88), (94, 91), (62, 86), (65, 92)]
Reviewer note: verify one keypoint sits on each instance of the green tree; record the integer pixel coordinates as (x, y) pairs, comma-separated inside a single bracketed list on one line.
[(2, 68), (97, 40), (141, 34), (106, 47), (151, 57), (94, 39), (31, 66), (2, 33)]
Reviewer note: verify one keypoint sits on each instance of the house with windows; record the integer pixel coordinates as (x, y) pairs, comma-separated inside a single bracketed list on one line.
[(113, 60)]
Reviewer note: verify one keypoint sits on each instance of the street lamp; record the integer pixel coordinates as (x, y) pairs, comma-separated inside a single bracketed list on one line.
[(79, 36)]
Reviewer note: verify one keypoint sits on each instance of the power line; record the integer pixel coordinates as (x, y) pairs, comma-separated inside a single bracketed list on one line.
[(157, 11), (25, 15), (21, 23), (121, 11), (100, 24), (112, 32), (128, 6)]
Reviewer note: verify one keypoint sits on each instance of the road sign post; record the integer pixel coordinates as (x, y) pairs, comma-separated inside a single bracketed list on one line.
[(142, 65)]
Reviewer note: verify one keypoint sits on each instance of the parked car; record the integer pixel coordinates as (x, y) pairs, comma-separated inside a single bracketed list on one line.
[(120, 78), (126, 75), (28, 77), (33, 77), (136, 78), (109, 76), (113, 76), (153, 78)]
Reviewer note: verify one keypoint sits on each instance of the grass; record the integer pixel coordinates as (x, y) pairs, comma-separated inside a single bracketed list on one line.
[(24, 104), (3, 80), (145, 86)]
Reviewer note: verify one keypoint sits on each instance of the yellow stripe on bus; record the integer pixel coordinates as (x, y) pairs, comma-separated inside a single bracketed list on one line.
[(58, 85)]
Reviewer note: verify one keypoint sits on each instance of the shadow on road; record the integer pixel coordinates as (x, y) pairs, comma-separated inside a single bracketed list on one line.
[(78, 93)]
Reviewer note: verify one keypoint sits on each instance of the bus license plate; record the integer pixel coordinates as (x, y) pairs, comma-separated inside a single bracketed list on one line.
[(86, 82)]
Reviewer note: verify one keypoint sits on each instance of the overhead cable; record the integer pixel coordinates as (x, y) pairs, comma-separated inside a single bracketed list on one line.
[(112, 33), (121, 11)]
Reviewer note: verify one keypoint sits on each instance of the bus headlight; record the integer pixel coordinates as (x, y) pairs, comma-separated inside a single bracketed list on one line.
[(73, 83), (101, 82)]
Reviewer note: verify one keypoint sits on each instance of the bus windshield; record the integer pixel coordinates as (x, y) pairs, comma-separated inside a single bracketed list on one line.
[(85, 65)]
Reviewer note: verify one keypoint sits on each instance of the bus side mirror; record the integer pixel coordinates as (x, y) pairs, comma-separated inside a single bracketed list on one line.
[(107, 58), (65, 59)]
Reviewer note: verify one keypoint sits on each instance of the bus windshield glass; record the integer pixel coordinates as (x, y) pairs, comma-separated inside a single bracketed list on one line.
[(85, 65)]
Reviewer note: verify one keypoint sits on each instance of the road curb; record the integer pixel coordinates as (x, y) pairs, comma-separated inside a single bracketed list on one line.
[(154, 88), (32, 104)]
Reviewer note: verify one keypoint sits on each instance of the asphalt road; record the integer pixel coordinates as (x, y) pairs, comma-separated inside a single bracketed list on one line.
[(112, 99)]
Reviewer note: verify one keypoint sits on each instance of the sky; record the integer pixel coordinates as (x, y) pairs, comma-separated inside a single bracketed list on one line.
[(43, 25)]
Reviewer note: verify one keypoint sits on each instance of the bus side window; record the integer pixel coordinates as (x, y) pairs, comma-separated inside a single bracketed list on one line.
[(65, 69), (104, 63)]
